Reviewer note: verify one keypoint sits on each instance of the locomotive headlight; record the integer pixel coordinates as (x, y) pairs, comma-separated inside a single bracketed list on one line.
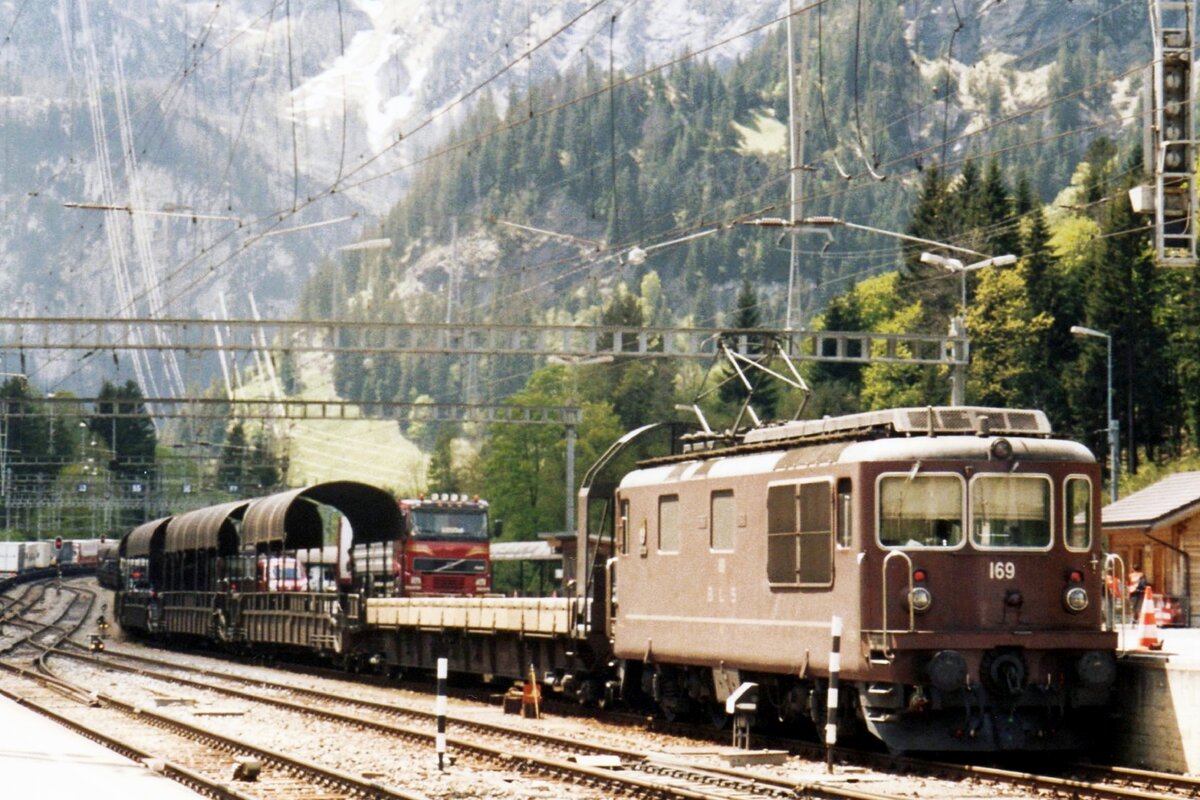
[(920, 599), (1002, 449), (1075, 599)]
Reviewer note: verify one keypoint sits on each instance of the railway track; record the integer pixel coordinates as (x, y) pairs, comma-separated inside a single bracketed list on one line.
[(210, 763), (72, 606), (1109, 783), (562, 760), (567, 758), (1084, 781)]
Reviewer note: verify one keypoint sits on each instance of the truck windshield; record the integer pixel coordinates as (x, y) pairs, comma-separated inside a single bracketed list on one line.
[(457, 524)]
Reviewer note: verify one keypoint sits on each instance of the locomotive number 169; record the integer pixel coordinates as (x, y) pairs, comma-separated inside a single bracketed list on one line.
[(1002, 570)]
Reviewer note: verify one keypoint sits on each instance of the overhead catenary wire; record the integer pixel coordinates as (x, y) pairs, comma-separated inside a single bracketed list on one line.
[(830, 142), (815, 5), (769, 208), (297, 205), (862, 149)]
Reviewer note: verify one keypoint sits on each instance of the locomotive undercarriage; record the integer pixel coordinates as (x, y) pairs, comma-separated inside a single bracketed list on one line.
[(797, 705), (1001, 699), (979, 701), (924, 719)]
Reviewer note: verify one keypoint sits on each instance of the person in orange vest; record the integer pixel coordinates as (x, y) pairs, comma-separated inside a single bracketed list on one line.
[(1112, 591), (1137, 590)]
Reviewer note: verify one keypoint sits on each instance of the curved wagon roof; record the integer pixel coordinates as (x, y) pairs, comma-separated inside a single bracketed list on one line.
[(144, 538), (291, 518), (210, 528)]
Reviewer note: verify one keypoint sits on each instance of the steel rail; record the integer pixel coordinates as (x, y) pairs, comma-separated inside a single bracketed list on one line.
[(738, 784)]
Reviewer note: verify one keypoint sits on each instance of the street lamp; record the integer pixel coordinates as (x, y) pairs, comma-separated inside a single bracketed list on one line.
[(958, 378), (1114, 434), (955, 265)]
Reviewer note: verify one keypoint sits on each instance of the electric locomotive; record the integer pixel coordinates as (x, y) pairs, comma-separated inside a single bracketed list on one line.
[(959, 547)]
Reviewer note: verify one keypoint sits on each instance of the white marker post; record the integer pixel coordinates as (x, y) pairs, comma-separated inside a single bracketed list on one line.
[(831, 703), (440, 710)]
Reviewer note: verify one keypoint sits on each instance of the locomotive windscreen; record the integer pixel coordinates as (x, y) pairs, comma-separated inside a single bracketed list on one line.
[(1010, 511)]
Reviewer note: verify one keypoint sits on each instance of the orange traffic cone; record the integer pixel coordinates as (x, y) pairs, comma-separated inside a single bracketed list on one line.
[(531, 697), (1149, 639)]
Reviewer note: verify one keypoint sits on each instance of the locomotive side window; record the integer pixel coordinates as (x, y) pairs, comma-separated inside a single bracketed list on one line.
[(724, 519), (623, 527), (816, 534), (800, 534), (781, 534), (1010, 511), (843, 513), (668, 524), (1077, 507), (920, 511)]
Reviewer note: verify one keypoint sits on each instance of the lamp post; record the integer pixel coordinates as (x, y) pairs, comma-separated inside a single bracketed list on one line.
[(958, 324), (1114, 434)]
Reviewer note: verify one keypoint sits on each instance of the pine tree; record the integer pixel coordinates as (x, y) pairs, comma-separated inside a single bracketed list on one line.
[(26, 439), (442, 477), (264, 467), (231, 472), (1045, 289), (1024, 197), (996, 216), (124, 424), (965, 211), (924, 283)]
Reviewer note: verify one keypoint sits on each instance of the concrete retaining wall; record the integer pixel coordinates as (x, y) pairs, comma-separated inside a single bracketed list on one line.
[(1158, 714)]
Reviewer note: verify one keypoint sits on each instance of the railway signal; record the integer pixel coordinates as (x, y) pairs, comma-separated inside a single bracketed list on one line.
[(1169, 141)]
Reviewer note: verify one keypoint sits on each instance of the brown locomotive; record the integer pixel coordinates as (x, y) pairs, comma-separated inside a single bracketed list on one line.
[(959, 546)]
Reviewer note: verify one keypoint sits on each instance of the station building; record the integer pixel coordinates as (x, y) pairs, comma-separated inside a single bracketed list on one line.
[(1159, 528)]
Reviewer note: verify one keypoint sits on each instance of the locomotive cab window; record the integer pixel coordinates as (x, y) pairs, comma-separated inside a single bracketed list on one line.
[(920, 510), (1010, 511), (800, 534), (668, 524), (1077, 510)]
